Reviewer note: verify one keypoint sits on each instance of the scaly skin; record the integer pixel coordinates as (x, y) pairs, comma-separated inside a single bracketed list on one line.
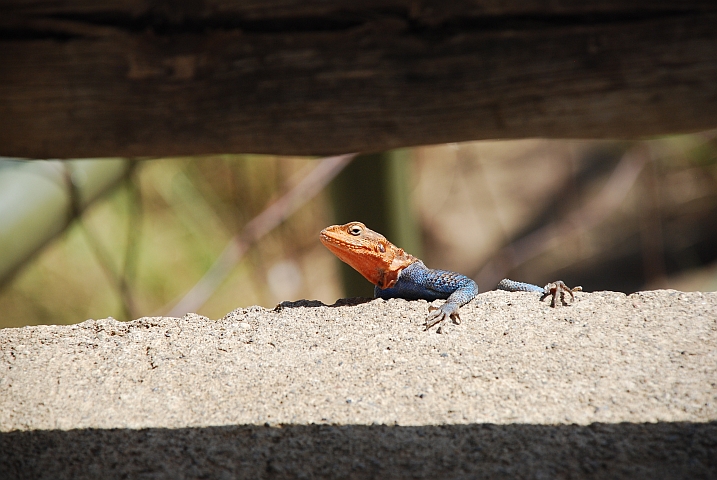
[(368, 252), (397, 274)]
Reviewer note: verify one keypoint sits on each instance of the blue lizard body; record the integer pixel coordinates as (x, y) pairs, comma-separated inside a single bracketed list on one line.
[(418, 282)]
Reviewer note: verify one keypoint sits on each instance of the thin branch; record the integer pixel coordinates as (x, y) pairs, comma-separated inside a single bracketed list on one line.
[(134, 228), (259, 226), (105, 261), (102, 256), (651, 231)]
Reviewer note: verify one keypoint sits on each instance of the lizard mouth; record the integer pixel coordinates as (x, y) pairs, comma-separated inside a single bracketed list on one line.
[(330, 241), (338, 246), (325, 237)]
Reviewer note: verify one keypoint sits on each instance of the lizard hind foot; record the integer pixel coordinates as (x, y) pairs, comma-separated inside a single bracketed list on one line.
[(559, 289), (436, 315)]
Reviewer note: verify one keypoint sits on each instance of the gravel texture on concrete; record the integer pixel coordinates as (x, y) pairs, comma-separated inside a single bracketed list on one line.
[(612, 386)]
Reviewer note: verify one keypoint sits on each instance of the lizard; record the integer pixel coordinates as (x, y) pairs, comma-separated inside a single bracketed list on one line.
[(397, 274)]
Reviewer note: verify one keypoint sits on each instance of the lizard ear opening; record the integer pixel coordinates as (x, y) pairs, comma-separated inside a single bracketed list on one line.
[(381, 248)]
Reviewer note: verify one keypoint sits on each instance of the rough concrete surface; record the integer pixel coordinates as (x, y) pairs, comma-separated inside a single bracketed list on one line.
[(613, 386)]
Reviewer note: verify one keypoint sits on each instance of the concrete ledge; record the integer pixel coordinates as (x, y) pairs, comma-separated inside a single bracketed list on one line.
[(613, 386)]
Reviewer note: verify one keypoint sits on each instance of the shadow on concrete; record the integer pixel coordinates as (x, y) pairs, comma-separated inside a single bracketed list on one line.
[(650, 450), (341, 302)]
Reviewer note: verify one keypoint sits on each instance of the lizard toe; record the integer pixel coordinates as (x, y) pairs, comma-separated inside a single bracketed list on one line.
[(438, 314), (559, 289), (435, 317)]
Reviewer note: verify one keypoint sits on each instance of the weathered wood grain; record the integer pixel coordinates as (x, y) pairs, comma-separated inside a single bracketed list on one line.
[(136, 78)]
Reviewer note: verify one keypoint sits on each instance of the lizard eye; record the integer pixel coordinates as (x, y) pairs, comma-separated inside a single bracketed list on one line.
[(355, 230)]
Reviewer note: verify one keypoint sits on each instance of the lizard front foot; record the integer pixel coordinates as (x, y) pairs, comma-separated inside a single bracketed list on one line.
[(436, 315), (559, 289)]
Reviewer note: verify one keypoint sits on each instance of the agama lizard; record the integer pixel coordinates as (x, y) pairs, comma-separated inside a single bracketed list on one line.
[(397, 274)]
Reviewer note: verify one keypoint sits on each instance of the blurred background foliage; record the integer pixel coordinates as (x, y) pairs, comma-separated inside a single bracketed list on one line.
[(621, 216)]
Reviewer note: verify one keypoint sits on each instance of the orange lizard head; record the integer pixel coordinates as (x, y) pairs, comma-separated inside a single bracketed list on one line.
[(368, 252)]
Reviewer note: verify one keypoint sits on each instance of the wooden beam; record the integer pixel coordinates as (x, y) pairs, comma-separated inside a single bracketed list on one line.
[(81, 78)]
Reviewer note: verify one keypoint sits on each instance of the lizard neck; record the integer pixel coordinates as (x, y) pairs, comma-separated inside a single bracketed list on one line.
[(368, 252)]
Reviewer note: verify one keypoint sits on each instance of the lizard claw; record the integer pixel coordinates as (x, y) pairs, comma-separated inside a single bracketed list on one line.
[(437, 315), (559, 289)]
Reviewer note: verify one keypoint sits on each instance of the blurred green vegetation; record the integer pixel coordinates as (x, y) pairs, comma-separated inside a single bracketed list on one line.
[(179, 214), (474, 203)]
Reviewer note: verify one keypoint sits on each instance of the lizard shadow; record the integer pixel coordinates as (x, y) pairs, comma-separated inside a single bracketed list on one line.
[(341, 302)]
